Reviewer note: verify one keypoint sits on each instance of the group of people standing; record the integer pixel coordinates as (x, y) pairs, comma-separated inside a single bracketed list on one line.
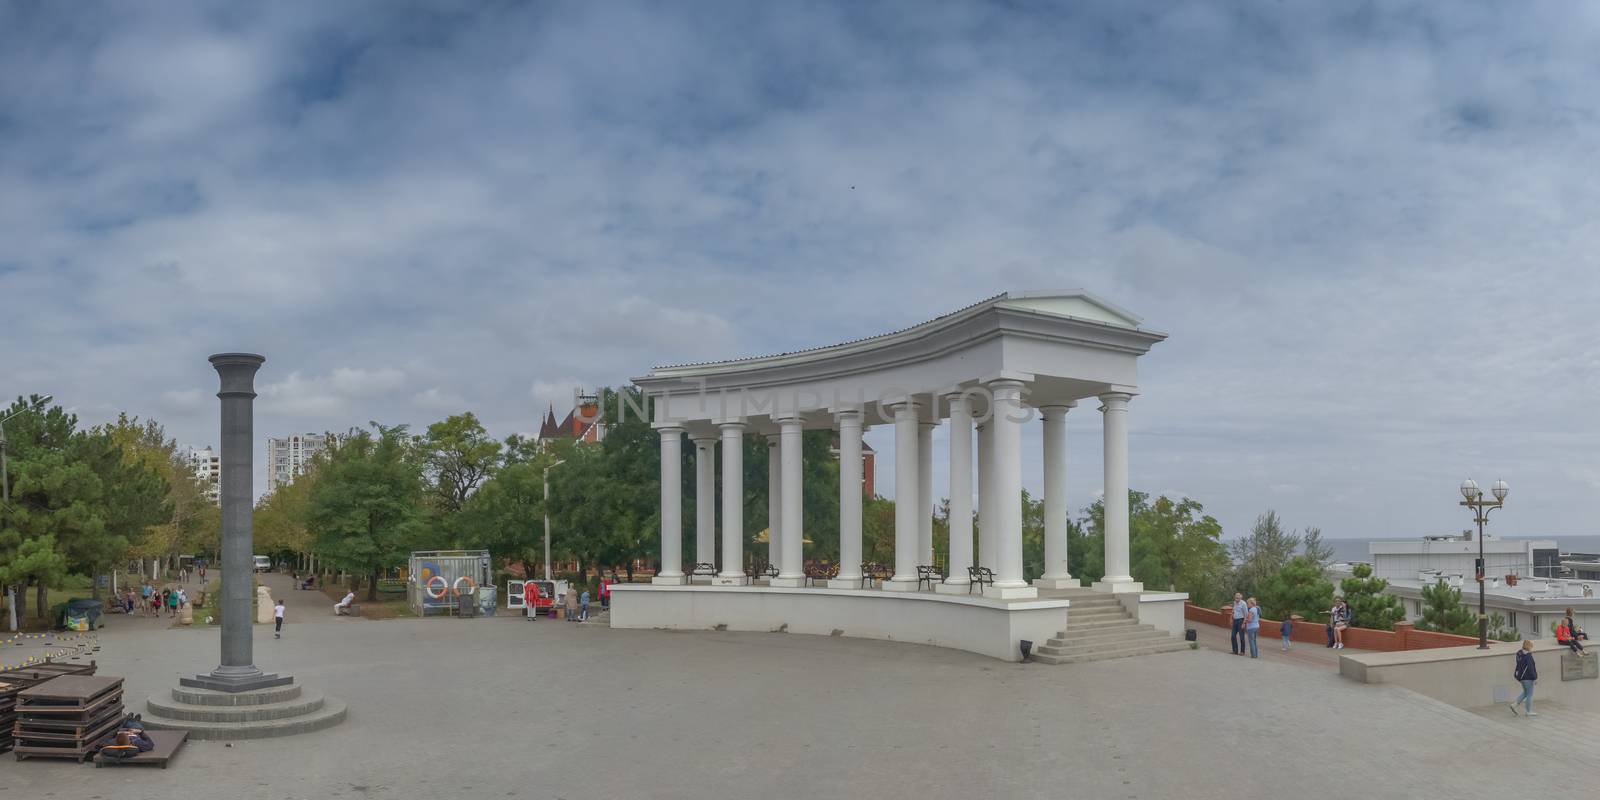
[(1247, 625), (150, 602)]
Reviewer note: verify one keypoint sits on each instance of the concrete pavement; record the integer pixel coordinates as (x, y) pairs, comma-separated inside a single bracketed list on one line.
[(504, 707)]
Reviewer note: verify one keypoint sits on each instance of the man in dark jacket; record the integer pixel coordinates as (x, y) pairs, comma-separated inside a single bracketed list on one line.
[(1526, 673)]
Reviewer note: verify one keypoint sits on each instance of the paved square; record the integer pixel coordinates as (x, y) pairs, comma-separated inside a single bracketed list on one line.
[(503, 707)]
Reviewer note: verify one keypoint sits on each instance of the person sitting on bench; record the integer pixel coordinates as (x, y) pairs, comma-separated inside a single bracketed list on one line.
[(342, 608)]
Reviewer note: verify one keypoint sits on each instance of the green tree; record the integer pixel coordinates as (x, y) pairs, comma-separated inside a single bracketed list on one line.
[(1370, 606), (1443, 611), (1262, 554), (1299, 588), (506, 515), (1171, 544), (366, 509), (281, 520), (1313, 546), (458, 456)]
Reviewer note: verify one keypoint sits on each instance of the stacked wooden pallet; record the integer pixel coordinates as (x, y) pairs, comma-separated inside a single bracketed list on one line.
[(64, 717), (12, 682)]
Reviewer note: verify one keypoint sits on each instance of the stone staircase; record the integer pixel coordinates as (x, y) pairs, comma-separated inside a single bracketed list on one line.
[(260, 713), (1099, 628)]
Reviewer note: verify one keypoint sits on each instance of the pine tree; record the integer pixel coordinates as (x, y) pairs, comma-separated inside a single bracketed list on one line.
[(1443, 611), (1370, 606)]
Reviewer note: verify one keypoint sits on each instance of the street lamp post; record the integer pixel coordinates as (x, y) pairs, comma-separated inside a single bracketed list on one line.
[(547, 517), (1481, 507), (5, 502)]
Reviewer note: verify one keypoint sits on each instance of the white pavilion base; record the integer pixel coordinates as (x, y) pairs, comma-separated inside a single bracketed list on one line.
[(673, 580), (1058, 583), (1117, 587), (987, 626)]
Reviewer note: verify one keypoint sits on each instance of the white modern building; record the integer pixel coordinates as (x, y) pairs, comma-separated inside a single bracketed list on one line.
[(288, 457), (207, 466), (1522, 585), (1006, 373), (1455, 555)]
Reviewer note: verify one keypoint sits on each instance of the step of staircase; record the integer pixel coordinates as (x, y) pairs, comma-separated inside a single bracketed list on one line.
[(169, 708), (257, 714), (1103, 635), (1174, 645), (212, 697), (331, 712), (1090, 614), (1096, 622), (1084, 647), (1099, 627)]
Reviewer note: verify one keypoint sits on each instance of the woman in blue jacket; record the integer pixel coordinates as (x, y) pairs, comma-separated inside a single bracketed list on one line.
[(1526, 673)]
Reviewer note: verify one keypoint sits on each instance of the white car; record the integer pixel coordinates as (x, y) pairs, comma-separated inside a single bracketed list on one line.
[(263, 564)]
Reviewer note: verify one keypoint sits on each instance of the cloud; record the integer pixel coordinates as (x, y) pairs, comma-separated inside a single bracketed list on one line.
[(436, 399), (1362, 228)]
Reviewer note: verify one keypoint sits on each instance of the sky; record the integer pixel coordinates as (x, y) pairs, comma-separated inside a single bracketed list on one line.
[(1369, 228)]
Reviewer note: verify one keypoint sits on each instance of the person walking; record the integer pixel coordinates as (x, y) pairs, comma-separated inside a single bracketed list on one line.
[(1527, 673), (1236, 639), (277, 620), (1286, 630), (1252, 623), (583, 606)]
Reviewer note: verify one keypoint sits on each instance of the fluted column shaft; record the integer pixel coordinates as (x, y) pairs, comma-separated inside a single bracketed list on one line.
[(907, 503), (960, 490), (705, 499), (849, 499)]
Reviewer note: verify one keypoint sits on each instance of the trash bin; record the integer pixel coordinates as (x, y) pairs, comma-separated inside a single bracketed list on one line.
[(467, 604)]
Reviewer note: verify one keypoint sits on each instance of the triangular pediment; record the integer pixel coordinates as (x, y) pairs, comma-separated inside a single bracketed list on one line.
[(1075, 304)]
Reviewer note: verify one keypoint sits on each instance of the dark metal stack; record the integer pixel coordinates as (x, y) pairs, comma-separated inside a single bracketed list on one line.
[(64, 717), (12, 682)]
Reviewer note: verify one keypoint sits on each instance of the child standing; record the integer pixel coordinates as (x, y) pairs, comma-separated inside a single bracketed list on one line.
[(1286, 630), (277, 620)]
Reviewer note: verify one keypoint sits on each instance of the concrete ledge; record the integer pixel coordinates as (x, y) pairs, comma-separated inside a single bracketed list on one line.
[(984, 625), (1467, 677), (1160, 610)]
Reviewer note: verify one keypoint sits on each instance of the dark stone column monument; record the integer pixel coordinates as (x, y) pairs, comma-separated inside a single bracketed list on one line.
[(237, 672), (237, 700)]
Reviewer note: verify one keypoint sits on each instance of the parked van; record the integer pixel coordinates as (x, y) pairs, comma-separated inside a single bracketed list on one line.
[(263, 564)]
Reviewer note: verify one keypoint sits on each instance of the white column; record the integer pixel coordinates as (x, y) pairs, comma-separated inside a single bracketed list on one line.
[(960, 495), (986, 512), (1114, 406), (705, 499), (791, 570), (925, 493), (907, 505), (671, 507), (1007, 482), (732, 573), (849, 501), (774, 501), (1056, 575)]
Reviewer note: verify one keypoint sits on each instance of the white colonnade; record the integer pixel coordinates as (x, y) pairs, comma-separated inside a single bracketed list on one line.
[(995, 458)]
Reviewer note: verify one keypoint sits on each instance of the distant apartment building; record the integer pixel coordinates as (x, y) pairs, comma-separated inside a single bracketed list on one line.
[(287, 457), (207, 466)]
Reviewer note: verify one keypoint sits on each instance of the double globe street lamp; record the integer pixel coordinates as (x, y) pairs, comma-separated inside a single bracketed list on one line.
[(1481, 506)]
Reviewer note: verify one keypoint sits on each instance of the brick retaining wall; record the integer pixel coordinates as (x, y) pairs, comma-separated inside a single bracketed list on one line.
[(1405, 636)]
